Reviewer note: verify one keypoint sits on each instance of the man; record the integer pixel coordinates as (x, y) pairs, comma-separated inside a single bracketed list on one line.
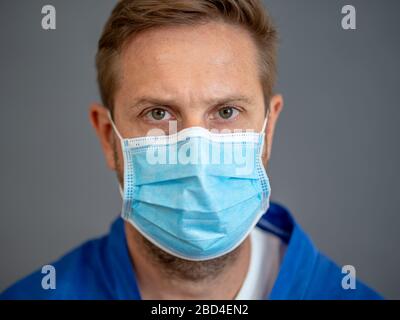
[(177, 74)]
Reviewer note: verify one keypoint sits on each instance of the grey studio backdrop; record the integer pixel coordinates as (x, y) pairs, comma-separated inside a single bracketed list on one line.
[(335, 156)]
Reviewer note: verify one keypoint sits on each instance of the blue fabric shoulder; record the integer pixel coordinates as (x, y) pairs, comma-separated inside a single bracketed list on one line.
[(99, 269), (76, 272), (305, 272)]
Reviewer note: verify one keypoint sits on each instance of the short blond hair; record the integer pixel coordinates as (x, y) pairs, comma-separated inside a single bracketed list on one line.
[(129, 17)]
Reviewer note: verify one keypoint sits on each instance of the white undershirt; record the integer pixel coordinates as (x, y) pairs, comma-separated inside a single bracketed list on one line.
[(267, 251)]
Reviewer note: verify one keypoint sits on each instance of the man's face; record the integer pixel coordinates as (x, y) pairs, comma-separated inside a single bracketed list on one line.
[(189, 74), (205, 75)]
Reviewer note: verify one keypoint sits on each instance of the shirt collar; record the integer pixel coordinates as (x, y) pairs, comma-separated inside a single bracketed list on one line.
[(299, 260)]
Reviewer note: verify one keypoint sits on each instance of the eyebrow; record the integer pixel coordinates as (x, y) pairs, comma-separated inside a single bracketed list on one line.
[(171, 102)]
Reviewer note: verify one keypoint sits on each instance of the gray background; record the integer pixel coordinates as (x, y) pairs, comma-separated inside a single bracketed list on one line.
[(335, 157)]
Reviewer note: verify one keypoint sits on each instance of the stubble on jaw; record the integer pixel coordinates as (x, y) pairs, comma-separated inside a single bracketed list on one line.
[(193, 271)]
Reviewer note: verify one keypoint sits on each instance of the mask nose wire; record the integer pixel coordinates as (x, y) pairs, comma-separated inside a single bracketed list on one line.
[(114, 127)]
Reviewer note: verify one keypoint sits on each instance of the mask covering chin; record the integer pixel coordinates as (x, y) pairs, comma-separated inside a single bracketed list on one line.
[(195, 194)]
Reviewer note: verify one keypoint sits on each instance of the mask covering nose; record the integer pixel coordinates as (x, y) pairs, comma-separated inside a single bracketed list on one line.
[(195, 194)]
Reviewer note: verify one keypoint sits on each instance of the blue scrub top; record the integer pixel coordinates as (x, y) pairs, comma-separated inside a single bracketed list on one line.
[(102, 269)]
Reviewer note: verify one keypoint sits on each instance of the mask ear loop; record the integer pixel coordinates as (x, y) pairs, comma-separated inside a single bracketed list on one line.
[(265, 122), (121, 190), (114, 127)]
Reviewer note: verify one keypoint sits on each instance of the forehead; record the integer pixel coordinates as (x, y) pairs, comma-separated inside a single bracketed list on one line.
[(212, 58)]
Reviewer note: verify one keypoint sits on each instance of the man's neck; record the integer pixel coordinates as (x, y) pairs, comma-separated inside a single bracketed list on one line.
[(156, 284)]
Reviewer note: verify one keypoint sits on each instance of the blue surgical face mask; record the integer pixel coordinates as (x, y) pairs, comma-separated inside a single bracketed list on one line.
[(195, 194)]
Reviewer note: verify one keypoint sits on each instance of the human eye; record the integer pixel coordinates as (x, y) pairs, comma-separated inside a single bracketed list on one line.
[(226, 113), (158, 114)]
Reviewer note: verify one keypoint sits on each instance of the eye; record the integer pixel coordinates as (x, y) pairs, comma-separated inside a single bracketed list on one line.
[(227, 113), (158, 114)]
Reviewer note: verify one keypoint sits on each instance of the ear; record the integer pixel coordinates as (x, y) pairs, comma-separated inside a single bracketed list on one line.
[(101, 123), (275, 108)]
